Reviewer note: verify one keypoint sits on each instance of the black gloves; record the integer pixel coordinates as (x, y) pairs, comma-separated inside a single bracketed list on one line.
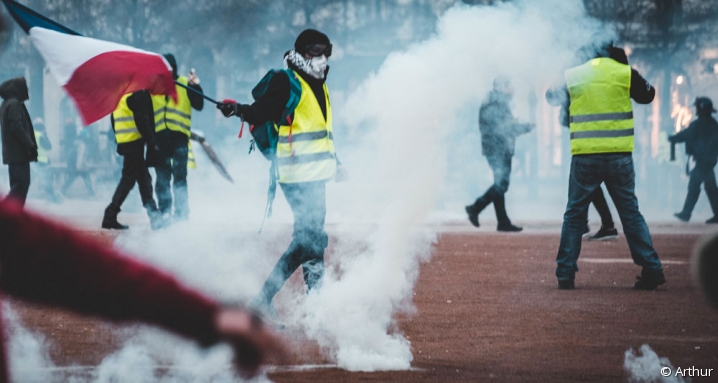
[(228, 107)]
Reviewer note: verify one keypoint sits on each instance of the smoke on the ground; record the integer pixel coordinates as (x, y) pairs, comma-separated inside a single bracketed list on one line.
[(405, 114), (644, 366)]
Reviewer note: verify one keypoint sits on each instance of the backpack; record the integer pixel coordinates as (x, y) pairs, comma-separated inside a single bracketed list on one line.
[(265, 136)]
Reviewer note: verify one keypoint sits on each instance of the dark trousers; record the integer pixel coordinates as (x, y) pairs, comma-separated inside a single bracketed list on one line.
[(599, 202), (701, 174), (587, 174), (501, 167), (19, 181), (308, 203), (172, 167), (134, 170)]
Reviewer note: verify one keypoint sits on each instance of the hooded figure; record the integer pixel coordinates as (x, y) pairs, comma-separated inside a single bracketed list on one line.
[(19, 147), (701, 138), (499, 130)]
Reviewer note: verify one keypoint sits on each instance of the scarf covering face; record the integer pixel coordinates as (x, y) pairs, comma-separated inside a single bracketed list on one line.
[(316, 67)]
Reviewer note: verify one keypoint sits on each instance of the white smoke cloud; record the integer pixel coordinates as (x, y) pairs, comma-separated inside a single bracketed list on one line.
[(28, 353), (405, 111), (404, 115), (645, 366)]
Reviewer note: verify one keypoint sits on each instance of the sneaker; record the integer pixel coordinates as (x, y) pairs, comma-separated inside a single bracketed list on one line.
[(586, 231), (649, 280), (565, 284), (509, 228), (713, 220), (683, 217), (473, 215), (604, 234)]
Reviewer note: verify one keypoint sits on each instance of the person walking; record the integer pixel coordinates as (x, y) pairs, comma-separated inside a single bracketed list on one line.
[(19, 147), (305, 157), (133, 125), (172, 128), (701, 138), (601, 125), (499, 130)]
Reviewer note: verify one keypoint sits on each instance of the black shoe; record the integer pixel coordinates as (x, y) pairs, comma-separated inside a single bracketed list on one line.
[(604, 234), (586, 231), (109, 220), (473, 215), (565, 284), (682, 216), (509, 228), (113, 225), (649, 280), (713, 220)]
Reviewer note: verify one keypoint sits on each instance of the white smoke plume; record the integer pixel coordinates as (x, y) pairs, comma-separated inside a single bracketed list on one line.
[(405, 111), (404, 115), (28, 355), (645, 366)]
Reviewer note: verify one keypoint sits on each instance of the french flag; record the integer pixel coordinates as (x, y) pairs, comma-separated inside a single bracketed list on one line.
[(95, 73)]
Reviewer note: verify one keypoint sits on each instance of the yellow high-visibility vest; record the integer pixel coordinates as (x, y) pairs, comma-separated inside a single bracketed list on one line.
[(173, 115), (305, 150), (124, 126), (41, 153), (601, 113)]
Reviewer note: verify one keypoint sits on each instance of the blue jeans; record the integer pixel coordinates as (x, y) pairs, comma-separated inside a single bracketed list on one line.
[(587, 173)]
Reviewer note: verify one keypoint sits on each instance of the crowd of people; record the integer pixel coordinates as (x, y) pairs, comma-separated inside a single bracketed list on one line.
[(155, 130)]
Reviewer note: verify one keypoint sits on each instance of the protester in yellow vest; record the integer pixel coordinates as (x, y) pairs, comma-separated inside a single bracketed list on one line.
[(133, 125), (305, 158), (601, 124), (173, 121)]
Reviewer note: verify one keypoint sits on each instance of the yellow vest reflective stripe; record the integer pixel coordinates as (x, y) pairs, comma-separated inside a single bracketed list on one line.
[(41, 153), (305, 149), (191, 164), (173, 115), (601, 113), (124, 126)]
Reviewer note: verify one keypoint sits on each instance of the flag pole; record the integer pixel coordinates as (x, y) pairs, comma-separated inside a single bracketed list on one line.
[(210, 99)]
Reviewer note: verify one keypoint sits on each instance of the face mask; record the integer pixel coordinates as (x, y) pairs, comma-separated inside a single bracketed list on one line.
[(317, 66)]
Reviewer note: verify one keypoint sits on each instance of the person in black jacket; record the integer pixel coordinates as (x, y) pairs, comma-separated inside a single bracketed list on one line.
[(134, 166), (499, 130), (19, 147), (701, 138)]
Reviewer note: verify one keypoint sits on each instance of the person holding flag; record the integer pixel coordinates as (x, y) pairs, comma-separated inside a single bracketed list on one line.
[(173, 119)]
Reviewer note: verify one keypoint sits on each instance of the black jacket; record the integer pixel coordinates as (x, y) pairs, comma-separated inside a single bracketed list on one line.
[(701, 138), (140, 103), (498, 126), (272, 104), (18, 137)]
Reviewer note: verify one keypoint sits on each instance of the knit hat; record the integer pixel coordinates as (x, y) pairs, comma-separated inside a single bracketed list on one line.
[(310, 37)]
